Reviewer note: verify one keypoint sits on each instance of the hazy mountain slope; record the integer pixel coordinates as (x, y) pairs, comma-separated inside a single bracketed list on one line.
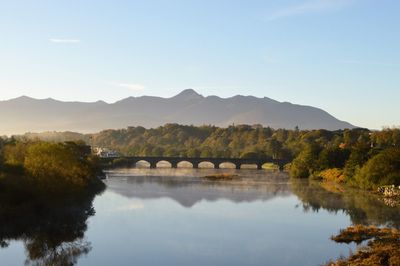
[(26, 114)]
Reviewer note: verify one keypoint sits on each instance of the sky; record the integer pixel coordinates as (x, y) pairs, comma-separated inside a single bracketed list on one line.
[(339, 55)]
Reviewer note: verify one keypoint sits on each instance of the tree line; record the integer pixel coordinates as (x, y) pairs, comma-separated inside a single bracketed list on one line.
[(358, 156)]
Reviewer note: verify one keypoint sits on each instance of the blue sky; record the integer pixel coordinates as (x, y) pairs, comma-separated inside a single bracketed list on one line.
[(340, 55)]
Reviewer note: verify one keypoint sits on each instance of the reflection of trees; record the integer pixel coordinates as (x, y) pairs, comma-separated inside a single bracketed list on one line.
[(188, 191), (51, 229), (66, 253), (362, 207)]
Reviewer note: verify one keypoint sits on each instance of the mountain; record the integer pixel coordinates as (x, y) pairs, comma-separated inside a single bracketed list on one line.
[(25, 114)]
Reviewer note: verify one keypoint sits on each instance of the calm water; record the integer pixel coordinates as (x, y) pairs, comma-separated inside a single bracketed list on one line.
[(172, 217)]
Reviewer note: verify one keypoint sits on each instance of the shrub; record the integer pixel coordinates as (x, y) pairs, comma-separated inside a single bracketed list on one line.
[(333, 174)]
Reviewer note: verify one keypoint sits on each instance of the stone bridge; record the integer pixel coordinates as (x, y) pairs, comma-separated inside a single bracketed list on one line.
[(153, 160)]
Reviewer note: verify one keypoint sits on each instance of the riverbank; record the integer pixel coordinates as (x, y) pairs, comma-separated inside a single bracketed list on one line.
[(376, 245), (382, 246)]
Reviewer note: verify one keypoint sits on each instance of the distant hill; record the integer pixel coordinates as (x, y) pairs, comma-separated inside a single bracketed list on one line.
[(25, 114)]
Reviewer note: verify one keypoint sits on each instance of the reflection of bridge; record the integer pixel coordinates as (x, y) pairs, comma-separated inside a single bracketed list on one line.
[(238, 162)]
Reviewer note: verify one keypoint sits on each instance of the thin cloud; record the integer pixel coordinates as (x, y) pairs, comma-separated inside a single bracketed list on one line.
[(309, 7), (71, 41), (130, 86)]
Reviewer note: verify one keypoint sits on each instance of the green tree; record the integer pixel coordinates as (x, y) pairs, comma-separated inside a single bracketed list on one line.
[(333, 157), (382, 169), (273, 148), (305, 164), (358, 156)]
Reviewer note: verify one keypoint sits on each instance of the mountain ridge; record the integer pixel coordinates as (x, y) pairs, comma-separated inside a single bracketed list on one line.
[(26, 114)]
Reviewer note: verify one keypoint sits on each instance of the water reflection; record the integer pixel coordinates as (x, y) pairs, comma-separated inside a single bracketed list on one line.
[(362, 207), (188, 190), (51, 230)]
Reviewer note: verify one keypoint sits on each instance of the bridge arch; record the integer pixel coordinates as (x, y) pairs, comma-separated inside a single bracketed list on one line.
[(185, 164), (228, 165), (207, 164), (270, 166), (163, 164), (142, 164)]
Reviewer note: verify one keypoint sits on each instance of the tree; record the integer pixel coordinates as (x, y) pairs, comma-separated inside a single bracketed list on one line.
[(305, 164), (55, 167), (193, 153), (382, 169), (206, 152), (171, 152), (273, 148), (14, 154), (249, 155), (358, 156), (333, 157)]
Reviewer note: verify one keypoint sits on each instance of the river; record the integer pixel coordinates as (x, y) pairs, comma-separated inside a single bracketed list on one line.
[(174, 217)]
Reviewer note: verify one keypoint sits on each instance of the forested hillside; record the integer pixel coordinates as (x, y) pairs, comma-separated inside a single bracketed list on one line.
[(204, 141), (359, 156)]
